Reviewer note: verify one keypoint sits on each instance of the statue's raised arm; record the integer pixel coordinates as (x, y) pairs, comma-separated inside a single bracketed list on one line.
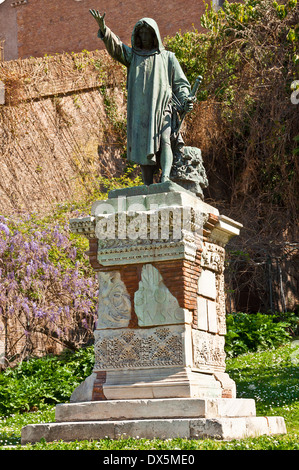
[(100, 19)]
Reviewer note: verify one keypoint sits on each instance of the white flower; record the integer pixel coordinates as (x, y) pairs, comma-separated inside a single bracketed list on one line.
[(252, 387)]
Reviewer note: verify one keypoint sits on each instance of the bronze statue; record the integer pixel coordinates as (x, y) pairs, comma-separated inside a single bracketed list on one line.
[(158, 93)]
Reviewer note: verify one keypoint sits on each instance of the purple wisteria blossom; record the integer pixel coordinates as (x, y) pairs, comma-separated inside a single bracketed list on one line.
[(4, 228), (48, 292)]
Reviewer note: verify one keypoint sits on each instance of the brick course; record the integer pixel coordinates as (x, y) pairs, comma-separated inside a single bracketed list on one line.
[(97, 392), (67, 26)]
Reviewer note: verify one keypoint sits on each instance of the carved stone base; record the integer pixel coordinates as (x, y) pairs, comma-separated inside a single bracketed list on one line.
[(200, 428), (113, 410), (168, 382), (161, 383), (150, 419), (158, 362)]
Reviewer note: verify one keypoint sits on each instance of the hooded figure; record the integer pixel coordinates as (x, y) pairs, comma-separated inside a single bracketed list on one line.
[(154, 80)]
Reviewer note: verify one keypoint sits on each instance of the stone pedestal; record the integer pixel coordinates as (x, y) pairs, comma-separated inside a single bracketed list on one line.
[(159, 341), (166, 418), (159, 255)]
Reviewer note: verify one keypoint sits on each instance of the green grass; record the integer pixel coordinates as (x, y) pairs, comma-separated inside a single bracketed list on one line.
[(270, 377)]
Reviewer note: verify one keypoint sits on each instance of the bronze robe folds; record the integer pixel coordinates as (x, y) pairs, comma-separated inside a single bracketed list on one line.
[(153, 77)]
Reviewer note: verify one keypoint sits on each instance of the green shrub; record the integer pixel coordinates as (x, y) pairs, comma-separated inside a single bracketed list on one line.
[(255, 332), (43, 381)]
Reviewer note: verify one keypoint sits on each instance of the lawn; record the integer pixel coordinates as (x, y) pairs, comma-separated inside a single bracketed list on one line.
[(271, 377)]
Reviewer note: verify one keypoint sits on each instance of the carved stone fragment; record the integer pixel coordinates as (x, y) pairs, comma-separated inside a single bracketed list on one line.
[(154, 303), (114, 301), (212, 257), (188, 170), (208, 350)]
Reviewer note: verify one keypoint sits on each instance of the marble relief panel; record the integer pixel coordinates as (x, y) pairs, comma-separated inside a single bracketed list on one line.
[(138, 348)]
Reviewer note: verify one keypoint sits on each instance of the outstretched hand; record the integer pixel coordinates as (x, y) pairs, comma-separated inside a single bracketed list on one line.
[(99, 19)]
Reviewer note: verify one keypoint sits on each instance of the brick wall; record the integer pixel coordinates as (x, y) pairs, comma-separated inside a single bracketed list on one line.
[(67, 26), (8, 30)]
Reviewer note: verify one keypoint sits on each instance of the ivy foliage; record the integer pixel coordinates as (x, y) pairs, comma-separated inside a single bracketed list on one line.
[(248, 56)]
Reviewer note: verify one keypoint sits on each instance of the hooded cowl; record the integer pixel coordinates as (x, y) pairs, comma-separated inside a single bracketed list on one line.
[(153, 76)]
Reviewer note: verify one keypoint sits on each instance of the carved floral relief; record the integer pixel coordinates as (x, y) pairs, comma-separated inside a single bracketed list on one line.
[(135, 348)]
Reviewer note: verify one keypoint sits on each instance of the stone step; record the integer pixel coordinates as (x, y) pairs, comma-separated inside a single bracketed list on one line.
[(190, 428), (155, 408)]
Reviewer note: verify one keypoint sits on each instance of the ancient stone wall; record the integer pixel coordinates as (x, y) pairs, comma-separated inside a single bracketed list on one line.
[(56, 129)]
